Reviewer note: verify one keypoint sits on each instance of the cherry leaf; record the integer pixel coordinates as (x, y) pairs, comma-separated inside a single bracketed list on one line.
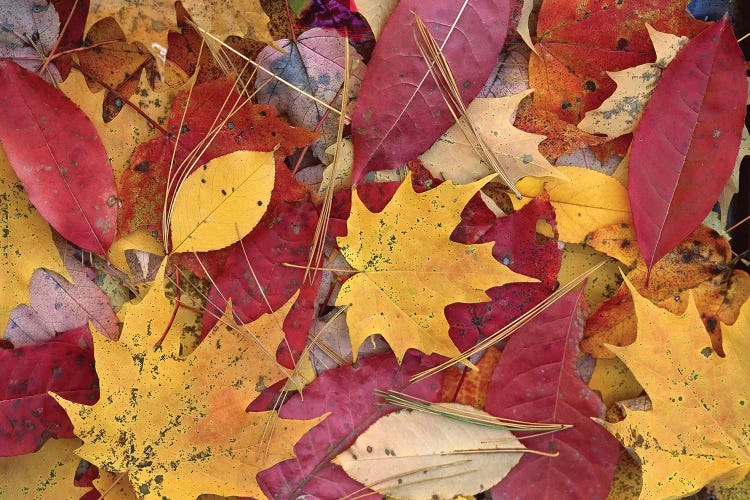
[(686, 144), (56, 152)]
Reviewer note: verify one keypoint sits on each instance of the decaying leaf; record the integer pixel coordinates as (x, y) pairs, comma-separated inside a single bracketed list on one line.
[(696, 431), (416, 455), (47, 474), (30, 29), (315, 64), (222, 201), (453, 158), (620, 112), (585, 202), (26, 242), (404, 282), (179, 426)]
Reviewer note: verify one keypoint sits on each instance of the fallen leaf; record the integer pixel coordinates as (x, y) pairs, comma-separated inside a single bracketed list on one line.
[(600, 286), (28, 415), (452, 157), (58, 156), (30, 30), (376, 12), (613, 381), (315, 64), (252, 128), (684, 129), (516, 246), (619, 113), (404, 282), (402, 455), (702, 264), (578, 42), (197, 438), (415, 116), (348, 392), (469, 387), (283, 236), (674, 362), (27, 242), (58, 305), (511, 73), (536, 380), (617, 241), (339, 170), (221, 202), (47, 474), (149, 21), (588, 201)]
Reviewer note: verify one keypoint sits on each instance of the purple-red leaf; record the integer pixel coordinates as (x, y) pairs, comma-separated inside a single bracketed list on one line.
[(685, 146), (536, 380), (56, 152), (347, 392), (28, 415), (400, 111)]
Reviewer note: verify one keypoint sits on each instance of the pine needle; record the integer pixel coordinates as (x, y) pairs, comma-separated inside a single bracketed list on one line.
[(514, 325), (446, 83)]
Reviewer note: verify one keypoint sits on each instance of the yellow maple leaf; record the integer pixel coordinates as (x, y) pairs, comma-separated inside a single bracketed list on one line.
[(178, 426), (409, 269), (149, 21), (588, 201), (46, 474), (619, 113), (697, 431), (27, 243), (452, 157)]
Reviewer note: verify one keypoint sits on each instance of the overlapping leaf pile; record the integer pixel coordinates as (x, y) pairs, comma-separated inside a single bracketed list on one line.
[(241, 240)]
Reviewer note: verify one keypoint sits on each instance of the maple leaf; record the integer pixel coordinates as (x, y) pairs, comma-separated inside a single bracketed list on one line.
[(620, 112), (452, 157), (179, 426), (404, 280), (27, 242), (696, 431), (149, 21)]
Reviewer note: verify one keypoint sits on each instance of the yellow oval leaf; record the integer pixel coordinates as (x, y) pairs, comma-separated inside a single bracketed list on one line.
[(222, 201)]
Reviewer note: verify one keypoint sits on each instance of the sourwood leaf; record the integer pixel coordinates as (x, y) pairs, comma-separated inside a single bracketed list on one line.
[(179, 426), (453, 158), (536, 380), (696, 431), (221, 202), (57, 154), (686, 144), (412, 454), (409, 269), (471, 36)]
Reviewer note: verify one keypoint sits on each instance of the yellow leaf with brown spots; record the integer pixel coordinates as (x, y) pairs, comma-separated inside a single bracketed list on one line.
[(178, 426), (409, 269), (698, 430)]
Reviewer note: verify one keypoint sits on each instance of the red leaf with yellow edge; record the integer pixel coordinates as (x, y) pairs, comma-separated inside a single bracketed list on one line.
[(579, 41), (28, 415), (399, 112), (686, 143), (536, 380), (252, 128), (56, 152), (348, 393)]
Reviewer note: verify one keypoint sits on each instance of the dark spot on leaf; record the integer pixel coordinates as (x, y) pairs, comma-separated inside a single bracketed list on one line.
[(622, 42), (589, 85), (711, 324), (565, 105), (184, 129), (262, 113), (203, 180), (706, 351), (260, 203), (230, 125), (625, 244), (224, 192), (118, 103)]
